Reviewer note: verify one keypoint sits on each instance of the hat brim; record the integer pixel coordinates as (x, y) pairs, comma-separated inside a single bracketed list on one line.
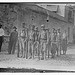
[(14, 28)]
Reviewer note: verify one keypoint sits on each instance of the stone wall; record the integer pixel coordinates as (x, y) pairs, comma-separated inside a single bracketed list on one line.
[(31, 17)]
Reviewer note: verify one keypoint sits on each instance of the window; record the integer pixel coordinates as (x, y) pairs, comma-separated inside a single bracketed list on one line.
[(70, 15)]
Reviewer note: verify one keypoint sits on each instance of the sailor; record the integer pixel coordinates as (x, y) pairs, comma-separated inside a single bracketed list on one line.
[(13, 40), (31, 41), (23, 41), (53, 43), (59, 42), (49, 43), (43, 40), (64, 42), (1, 36), (36, 41)]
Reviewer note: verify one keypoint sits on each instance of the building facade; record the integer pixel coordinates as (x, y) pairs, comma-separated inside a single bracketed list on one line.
[(34, 14), (31, 16)]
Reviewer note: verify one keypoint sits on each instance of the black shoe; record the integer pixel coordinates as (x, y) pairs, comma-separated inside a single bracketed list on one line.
[(42, 58), (30, 57), (52, 57), (18, 56), (9, 53), (23, 56), (57, 55)]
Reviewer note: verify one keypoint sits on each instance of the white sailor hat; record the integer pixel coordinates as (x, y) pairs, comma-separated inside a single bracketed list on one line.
[(36, 28), (42, 25)]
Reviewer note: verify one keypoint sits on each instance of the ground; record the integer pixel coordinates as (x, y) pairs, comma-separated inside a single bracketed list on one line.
[(64, 62)]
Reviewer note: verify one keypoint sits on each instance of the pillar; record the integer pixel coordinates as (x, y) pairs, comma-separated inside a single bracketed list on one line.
[(74, 28)]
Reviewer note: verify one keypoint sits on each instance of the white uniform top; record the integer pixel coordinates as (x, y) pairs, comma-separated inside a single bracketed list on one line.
[(22, 33), (64, 36), (42, 34), (58, 36), (1, 32), (31, 34), (52, 35)]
